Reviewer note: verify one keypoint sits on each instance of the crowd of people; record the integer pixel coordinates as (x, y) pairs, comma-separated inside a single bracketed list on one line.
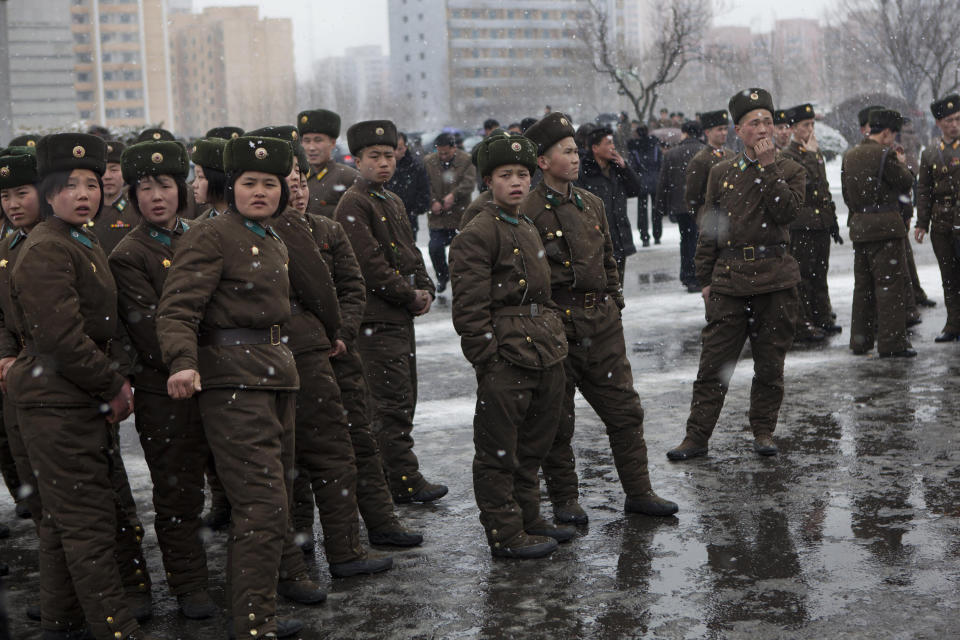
[(258, 323)]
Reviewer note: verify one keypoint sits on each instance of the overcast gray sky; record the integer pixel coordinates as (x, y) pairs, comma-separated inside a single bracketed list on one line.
[(325, 27)]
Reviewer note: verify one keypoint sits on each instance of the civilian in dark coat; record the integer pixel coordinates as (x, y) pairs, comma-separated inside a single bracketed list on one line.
[(607, 175), (670, 200), (645, 158), (410, 182)]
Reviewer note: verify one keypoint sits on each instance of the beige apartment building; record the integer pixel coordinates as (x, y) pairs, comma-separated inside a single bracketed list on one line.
[(230, 67), (121, 54)]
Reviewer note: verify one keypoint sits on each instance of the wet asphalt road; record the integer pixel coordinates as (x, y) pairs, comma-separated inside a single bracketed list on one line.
[(851, 532)]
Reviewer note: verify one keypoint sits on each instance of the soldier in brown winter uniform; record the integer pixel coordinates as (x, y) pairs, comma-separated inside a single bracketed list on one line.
[(328, 180), (219, 317), (585, 287), (875, 179), (511, 332), (810, 233), (398, 289), (748, 277), (938, 207)]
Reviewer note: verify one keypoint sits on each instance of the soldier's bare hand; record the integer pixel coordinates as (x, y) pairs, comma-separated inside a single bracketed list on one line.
[(812, 143), (765, 151), (338, 349), (918, 235), (422, 302), (448, 202), (436, 207), (122, 404), (617, 159), (183, 384), (705, 293), (5, 365)]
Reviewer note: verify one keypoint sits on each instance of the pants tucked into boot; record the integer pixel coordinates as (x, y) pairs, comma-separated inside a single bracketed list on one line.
[(513, 428), (768, 321)]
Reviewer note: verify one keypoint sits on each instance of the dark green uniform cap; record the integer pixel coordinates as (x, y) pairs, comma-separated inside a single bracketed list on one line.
[(208, 153), (800, 113), (747, 100), (863, 116), (711, 119), (496, 151), (29, 140), (291, 135), (155, 135), (476, 148), (370, 132), (69, 151), (154, 159), (549, 130), (115, 150), (945, 106), (881, 119), (18, 166), (781, 116), (319, 121), (256, 153), (224, 133)]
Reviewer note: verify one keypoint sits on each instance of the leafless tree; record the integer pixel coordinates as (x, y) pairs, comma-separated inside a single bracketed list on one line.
[(914, 41), (678, 26)]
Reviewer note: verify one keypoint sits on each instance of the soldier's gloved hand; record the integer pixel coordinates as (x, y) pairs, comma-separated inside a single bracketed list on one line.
[(835, 234)]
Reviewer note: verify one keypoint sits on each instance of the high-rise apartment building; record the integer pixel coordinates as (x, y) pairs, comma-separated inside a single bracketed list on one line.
[(230, 67), (354, 85), (460, 61), (39, 50), (121, 62)]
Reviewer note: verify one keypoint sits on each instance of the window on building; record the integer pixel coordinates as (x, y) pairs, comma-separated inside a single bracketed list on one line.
[(406, 19), (406, 38), (84, 115), (84, 57), (423, 75), (84, 96), (81, 18), (423, 94), (422, 56), (83, 76), (110, 94)]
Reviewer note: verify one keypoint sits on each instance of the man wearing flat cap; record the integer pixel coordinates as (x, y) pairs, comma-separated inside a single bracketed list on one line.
[(875, 180), (938, 207), (810, 233), (748, 276), (398, 290), (328, 180)]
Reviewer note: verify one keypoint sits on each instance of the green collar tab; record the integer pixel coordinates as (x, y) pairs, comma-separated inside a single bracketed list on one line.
[(120, 204), (377, 194), (81, 237), (17, 238), (254, 227)]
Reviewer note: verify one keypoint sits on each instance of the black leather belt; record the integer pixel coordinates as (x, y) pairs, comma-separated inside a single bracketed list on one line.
[(751, 253), (584, 299), (532, 310), (233, 337)]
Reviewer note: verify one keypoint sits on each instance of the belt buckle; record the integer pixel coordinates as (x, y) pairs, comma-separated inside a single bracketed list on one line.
[(274, 335), (749, 254), (589, 299), (534, 310)]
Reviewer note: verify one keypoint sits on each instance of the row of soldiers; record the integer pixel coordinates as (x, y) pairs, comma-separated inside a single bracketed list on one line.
[(237, 324)]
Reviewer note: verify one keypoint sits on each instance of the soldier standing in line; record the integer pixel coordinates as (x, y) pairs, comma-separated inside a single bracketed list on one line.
[(69, 412), (584, 285), (209, 181), (669, 199), (398, 289), (170, 432), (452, 176), (781, 129), (810, 233), (373, 494), (20, 206), (698, 171), (223, 342), (511, 332), (328, 180), (117, 218), (748, 277), (938, 206), (875, 178), (324, 452)]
